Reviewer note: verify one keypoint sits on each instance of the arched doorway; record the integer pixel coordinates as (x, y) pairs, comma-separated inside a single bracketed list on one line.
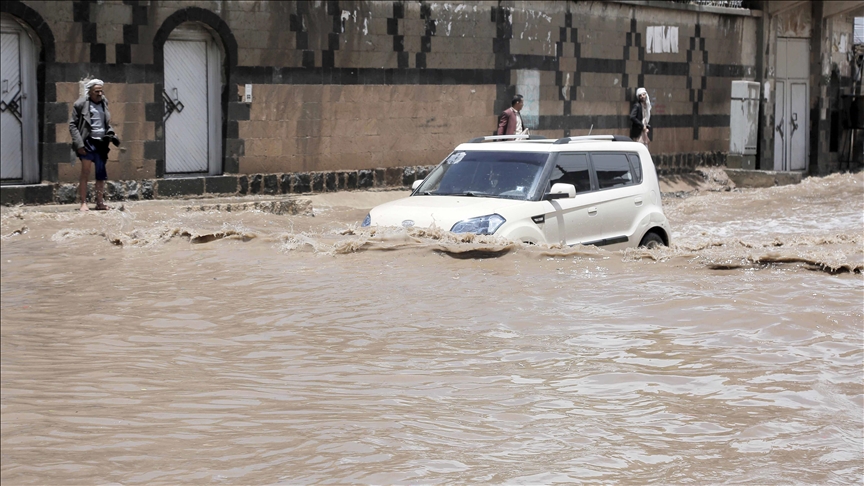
[(19, 150), (192, 97)]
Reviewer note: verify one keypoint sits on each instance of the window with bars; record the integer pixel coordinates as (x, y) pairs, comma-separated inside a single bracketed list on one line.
[(859, 31)]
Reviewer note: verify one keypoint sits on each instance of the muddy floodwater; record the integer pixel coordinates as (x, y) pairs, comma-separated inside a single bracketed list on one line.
[(168, 342)]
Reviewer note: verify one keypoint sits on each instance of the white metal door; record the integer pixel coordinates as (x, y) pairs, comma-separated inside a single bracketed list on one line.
[(11, 149), (186, 128), (19, 140), (791, 121)]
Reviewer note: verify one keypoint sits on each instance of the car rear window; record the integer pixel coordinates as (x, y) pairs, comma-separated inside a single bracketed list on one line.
[(636, 166)]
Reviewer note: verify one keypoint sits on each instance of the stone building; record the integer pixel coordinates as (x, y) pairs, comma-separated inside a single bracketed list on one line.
[(240, 97)]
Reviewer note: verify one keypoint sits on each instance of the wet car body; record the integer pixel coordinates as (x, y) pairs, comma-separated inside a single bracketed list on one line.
[(597, 190)]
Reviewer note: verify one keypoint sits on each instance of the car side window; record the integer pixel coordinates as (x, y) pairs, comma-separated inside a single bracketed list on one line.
[(613, 170), (572, 169), (636, 165)]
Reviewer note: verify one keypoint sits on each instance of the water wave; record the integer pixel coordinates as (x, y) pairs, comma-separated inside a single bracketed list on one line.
[(16, 232), (151, 236)]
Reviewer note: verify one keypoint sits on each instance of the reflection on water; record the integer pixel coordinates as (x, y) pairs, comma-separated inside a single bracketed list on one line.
[(157, 345)]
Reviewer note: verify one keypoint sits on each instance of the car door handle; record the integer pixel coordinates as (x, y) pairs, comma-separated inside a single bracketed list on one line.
[(592, 211), (638, 201)]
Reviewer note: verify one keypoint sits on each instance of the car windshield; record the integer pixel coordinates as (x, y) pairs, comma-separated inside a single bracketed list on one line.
[(509, 175)]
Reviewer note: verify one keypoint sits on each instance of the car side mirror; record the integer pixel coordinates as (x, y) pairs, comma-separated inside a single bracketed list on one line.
[(560, 191), (416, 184)]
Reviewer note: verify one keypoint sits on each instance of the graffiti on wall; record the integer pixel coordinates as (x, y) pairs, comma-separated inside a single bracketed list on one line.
[(660, 39)]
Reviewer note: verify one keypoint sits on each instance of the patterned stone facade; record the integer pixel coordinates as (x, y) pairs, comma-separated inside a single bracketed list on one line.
[(349, 86)]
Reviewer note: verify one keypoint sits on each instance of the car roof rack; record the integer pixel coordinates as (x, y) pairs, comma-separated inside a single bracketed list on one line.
[(499, 138), (585, 138)]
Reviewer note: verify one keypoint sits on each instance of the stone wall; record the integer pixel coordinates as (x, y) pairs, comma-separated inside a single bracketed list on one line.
[(365, 85), (340, 127), (830, 77)]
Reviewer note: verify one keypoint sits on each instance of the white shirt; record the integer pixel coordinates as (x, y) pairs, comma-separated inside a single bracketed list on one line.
[(519, 129), (97, 120)]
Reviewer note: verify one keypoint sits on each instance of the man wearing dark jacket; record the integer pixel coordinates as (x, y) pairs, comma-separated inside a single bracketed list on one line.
[(90, 127), (510, 122)]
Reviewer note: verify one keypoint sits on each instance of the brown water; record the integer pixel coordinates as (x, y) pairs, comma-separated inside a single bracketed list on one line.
[(159, 345)]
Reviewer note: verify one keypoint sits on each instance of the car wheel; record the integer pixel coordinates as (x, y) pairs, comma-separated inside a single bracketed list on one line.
[(651, 240)]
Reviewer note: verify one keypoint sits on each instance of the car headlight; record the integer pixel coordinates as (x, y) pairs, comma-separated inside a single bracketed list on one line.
[(366, 221), (484, 225)]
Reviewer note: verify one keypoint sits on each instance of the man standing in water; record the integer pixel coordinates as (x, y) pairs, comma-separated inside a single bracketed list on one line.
[(510, 122), (90, 127)]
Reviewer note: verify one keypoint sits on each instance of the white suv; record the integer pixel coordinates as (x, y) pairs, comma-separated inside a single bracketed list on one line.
[(595, 190)]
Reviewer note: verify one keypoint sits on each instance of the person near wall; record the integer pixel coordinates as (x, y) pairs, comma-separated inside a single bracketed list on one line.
[(510, 121), (90, 127), (640, 116)]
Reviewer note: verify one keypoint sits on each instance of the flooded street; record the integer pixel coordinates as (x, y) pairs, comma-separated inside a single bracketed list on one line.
[(178, 342)]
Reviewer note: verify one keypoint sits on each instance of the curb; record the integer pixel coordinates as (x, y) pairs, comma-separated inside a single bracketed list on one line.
[(763, 178), (217, 186)]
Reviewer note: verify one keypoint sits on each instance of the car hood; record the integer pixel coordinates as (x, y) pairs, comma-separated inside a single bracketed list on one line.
[(439, 211)]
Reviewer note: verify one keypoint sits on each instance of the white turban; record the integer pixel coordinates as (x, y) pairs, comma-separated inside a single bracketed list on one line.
[(91, 83)]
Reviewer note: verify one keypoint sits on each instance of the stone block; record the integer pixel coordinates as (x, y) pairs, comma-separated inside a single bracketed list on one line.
[(734, 161), (235, 148), (409, 175), (111, 13), (301, 182), (154, 149), (351, 180), (154, 112), (255, 183), (133, 190), (57, 112), (270, 184), (331, 181), (365, 179), (66, 193), (231, 165), (39, 194), (379, 177), (147, 189), (56, 153), (238, 111), (12, 195), (167, 188), (68, 92), (317, 181), (142, 54), (285, 183), (115, 190), (139, 93), (221, 185), (393, 176)]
